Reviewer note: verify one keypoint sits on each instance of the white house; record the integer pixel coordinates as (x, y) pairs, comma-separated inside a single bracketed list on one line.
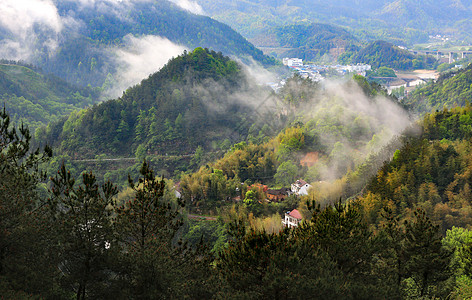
[(292, 218), (300, 187), (293, 62)]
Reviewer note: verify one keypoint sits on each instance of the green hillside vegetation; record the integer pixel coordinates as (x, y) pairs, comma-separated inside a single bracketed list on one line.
[(383, 54), (450, 90), (431, 172), (308, 41), (83, 56), (185, 105), (129, 248), (396, 239), (357, 149), (37, 99), (402, 22)]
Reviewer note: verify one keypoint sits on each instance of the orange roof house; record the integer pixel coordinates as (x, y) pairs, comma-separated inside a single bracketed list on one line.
[(277, 195)]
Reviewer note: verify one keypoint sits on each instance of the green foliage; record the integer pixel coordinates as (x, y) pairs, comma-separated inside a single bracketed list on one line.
[(85, 232), (429, 172), (383, 54), (450, 90), (427, 262), (82, 59), (383, 72), (214, 234), (149, 263), (309, 41), (36, 99), (286, 173), (165, 114), (26, 268)]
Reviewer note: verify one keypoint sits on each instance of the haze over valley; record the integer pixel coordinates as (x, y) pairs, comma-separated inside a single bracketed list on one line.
[(155, 149)]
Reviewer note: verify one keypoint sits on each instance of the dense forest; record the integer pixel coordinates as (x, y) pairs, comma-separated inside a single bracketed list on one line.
[(178, 188), (309, 42), (394, 236), (37, 99), (383, 54), (452, 88), (404, 22), (192, 101), (108, 245), (91, 32)]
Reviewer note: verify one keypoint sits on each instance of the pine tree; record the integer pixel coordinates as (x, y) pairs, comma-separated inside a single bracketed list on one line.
[(24, 265), (426, 260), (84, 232), (146, 226)]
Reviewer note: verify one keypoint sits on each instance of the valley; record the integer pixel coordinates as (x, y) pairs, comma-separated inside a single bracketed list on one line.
[(240, 150)]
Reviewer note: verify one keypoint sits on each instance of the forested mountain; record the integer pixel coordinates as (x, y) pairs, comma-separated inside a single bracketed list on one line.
[(431, 172), (402, 21), (388, 214), (451, 89), (334, 254), (83, 41), (383, 54), (37, 99), (308, 41), (201, 98)]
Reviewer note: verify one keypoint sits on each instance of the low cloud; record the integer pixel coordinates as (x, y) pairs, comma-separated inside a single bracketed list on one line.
[(139, 58), (189, 5), (23, 21)]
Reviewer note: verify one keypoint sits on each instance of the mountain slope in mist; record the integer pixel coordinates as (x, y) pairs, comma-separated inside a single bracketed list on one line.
[(431, 172), (197, 99), (307, 41), (84, 41), (37, 99), (400, 20), (450, 90), (384, 54)]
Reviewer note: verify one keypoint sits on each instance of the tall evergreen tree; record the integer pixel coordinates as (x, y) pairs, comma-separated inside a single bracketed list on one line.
[(84, 232), (24, 262)]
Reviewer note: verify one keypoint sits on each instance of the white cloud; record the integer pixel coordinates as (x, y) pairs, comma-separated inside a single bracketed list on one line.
[(19, 16), (189, 5), (22, 20), (139, 58)]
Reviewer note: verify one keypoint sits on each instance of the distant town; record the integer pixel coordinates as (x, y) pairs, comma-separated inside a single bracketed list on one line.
[(314, 72)]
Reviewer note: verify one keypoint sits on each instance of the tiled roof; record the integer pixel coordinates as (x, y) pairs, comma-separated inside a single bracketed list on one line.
[(296, 214), (301, 182)]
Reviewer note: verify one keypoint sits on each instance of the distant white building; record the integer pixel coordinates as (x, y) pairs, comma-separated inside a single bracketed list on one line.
[(359, 68), (292, 218), (300, 187), (293, 62)]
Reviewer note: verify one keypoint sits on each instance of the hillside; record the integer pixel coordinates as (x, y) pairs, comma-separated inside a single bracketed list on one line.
[(37, 99), (192, 101), (431, 172), (383, 54), (450, 90), (84, 42), (401, 21), (307, 41)]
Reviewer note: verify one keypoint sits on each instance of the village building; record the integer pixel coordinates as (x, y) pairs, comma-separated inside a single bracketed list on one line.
[(292, 218), (261, 187), (293, 62), (277, 195), (300, 187)]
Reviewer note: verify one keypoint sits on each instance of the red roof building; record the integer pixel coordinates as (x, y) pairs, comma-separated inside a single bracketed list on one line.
[(292, 218)]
